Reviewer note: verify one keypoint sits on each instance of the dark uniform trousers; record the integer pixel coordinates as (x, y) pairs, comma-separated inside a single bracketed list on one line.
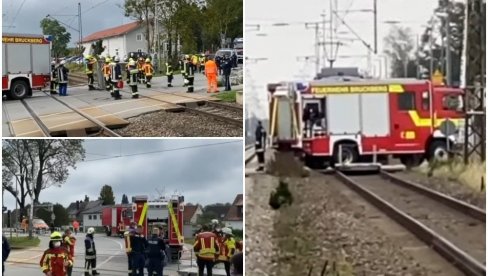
[(138, 262), (202, 264)]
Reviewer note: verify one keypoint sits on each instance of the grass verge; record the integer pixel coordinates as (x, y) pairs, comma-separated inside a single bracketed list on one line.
[(23, 242), (229, 96), (472, 175)]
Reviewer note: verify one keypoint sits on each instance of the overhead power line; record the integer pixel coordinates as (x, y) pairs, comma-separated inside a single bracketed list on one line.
[(166, 150)]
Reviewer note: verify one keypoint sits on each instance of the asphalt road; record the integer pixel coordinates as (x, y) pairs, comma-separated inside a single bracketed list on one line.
[(111, 258)]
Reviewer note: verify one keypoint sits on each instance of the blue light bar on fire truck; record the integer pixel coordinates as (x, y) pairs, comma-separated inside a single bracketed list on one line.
[(302, 87)]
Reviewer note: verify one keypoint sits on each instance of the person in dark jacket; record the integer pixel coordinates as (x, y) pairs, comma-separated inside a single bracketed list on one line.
[(234, 60), (62, 75), (218, 61), (139, 245), (190, 74), (54, 78), (90, 253), (5, 252), (260, 137), (115, 78), (227, 68), (155, 253)]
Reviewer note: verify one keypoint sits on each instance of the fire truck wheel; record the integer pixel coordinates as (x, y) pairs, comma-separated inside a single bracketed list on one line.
[(349, 153), (411, 160), (438, 151), (19, 90)]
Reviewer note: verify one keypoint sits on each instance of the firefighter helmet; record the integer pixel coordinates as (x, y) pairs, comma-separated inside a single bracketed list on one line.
[(91, 230), (148, 60), (187, 56), (56, 236), (62, 62), (227, 231), (132, 63), (107, 60), (215, 221), (116, 59)]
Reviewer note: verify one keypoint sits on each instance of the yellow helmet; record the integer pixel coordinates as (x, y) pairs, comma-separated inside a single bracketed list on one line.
[(131, 59), (132, 63), (107, 60), (56, 236), (148, 60)]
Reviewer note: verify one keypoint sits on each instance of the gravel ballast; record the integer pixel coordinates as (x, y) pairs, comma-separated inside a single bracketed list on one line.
[(178, 124), (322, 225)]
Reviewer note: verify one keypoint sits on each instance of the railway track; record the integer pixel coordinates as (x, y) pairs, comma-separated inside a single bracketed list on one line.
[(250, 154), (221, 112), (103, 129), (454, 229)]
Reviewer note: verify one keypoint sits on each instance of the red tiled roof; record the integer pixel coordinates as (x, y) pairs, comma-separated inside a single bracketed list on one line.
[(116, 31), (188, 213), (233, 214)]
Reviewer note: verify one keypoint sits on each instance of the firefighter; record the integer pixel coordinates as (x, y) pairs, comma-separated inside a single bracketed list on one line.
[(202, 63), (148, 72), (218, 61), (115, 77), (62, 76), (190, 74), (238, 264), (211, 73), (227, 246), (90, 253), (182, 65), (139, 245), (54, 75), (140, 68), (155, 254), (196, 62), (169, 74), (127, 69), (69, 244), (90, 66), (206, 248), (227, 69), (55, 260), (260, 136), (133, 78), (128, 248), (106, 74)]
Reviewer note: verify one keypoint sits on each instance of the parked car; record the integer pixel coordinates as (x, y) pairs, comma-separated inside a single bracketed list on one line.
[(240, 55), (137, 55)]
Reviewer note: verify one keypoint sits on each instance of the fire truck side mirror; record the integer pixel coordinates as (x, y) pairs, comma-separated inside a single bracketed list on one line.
[(182, 207)]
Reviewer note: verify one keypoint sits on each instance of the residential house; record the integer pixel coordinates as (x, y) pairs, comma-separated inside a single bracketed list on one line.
[(76, 210), (235, 215), (92, 214), (190, 217), (120, 40)]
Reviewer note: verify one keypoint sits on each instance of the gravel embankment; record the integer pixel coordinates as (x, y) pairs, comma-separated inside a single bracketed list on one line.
[(446, 186), (322, 225), (178, 124)]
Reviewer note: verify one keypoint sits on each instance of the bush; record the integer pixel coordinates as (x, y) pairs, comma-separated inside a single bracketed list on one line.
[(24, 242)]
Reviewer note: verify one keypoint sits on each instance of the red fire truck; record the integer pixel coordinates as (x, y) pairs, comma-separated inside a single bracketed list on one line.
[(347, 120), (116, 219), (25, 64), (165, 212)]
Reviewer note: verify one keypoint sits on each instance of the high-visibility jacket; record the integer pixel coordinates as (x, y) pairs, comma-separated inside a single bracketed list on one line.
[(169, 69), (211, 68), (127, 235), (90, 250), (90, 65), (107, 70), (206, 246), (227, 249), (148, 69), (194, 60), (53, 261), (202, 61), (140, 66), (69, 243), (62, 74), (115, 71)]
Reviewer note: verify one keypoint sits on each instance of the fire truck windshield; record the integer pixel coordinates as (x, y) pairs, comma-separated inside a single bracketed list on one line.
[(452, 102)]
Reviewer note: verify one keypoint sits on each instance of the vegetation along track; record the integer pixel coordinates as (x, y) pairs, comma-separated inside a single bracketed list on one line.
[(104, 130), (219, 111), (454, 229)]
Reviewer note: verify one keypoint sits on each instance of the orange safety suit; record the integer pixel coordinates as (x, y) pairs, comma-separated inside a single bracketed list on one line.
[(148, 69), (56, 261), (206, 246), (107, 70), (211, 72)]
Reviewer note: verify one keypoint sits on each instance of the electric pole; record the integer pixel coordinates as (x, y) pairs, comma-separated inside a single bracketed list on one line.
[(315, 26)]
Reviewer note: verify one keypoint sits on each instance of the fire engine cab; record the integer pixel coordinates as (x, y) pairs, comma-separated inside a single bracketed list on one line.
[(348, 119), (164, 212), (25, 64)]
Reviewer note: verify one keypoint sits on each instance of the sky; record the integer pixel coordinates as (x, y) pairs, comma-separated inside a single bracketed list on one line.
[(205, 175), (24, 16), (283, 44)]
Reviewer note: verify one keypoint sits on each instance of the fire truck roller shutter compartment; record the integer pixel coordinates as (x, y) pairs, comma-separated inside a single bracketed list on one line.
[(40, 59), (375, 114), (17, 60), (285, 121), (343, 114), (114, 218)]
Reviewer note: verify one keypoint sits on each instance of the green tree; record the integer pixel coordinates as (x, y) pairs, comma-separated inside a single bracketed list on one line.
[(61, 215), (107, 195), (224, 19), (44, 214), (61, 37), (206, 217), (399, 46), (87, 199), (125, 199), (38, 163)]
